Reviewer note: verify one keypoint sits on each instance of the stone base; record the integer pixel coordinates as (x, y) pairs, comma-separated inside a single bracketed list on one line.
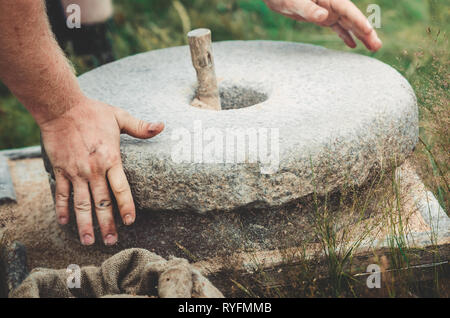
[(214, 234), (249, 230), (252, 237)]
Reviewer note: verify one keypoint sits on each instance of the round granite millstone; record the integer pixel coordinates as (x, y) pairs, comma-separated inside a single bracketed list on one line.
[(339, 115)]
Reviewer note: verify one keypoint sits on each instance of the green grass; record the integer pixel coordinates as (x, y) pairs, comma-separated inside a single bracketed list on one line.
[(343, 223), (17, 127)]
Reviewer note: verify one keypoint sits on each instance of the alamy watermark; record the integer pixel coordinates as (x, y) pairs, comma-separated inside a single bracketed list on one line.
[(74, 277), (375, 15), (73, 12), (236, 145), (73, 20), (374, 279)]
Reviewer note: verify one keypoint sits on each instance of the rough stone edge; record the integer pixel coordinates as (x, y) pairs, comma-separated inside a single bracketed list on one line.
[(7, 192), (22, 153), (253, 194), (424, 200)]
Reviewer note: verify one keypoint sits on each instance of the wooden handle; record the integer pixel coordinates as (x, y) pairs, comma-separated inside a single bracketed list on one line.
[(203, 61)]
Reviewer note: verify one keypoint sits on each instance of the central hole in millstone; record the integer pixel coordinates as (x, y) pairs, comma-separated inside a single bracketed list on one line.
[(235, 97)]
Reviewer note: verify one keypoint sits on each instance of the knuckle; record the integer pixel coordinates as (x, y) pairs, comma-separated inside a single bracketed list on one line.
[(121, 189), (114, 159), (101, 150), (141, 126), (126, 208), (103, 205), (58, 170), (98, 168), (61, 197), (71, 174), (287, 4), (84, 168), (82, 206), (84, 172), (110, 160), (122, 117), (116, 156), (120, 112)]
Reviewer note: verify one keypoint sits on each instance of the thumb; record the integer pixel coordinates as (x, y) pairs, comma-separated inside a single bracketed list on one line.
[(136, 127)]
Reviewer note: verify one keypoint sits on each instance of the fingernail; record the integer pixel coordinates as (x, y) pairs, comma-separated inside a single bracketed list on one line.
[(378, 43), (155, 126), (320, 14), (128, 219), (63, 220), (110, 239), (88, 239)]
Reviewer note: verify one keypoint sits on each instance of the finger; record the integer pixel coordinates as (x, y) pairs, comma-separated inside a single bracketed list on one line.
[(371, 40), (293, 16), (346, 23), (62, 194), (82, 207), (306, 9), (121, 189), (344, 35), (104, 210), (372, 43), (136, 127), (347, 9)]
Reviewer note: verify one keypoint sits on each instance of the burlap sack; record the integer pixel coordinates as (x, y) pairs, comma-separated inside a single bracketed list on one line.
[(132, 272)]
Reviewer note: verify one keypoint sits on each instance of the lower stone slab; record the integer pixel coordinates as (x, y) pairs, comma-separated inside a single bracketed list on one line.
[(7, 192), (215, 234), (253, 238), (218, 234)]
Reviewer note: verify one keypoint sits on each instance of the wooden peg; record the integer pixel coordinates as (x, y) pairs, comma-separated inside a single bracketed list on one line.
[(203, 61)]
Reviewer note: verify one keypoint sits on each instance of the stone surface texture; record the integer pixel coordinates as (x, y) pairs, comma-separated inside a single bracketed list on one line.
[(22, 153), (339, 115), (7, 192)]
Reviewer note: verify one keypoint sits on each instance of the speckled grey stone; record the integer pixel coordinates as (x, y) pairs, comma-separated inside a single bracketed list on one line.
[(22, 153), (7, 193), (339, 115)]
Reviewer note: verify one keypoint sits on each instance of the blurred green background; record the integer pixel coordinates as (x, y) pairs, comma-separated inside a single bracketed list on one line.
[(414, 34), (409, 32)]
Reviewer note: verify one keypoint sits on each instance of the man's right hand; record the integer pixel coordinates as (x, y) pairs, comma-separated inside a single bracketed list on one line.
[(81, 136), (83, 146), (340, 15)]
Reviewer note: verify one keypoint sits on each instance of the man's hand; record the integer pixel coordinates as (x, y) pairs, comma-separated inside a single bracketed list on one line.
[(341, 15), (81, 136), (83, 145)]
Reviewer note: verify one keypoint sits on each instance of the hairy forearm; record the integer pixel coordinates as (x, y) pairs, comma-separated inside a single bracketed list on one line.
[(31, 63)]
